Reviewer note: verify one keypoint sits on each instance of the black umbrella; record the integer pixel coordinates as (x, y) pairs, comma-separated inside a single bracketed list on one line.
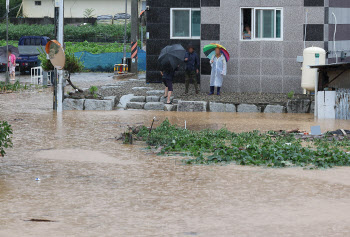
[(171, 56), (3, 51)]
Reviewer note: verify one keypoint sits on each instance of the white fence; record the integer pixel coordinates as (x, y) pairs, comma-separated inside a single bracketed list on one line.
[(37, 77)]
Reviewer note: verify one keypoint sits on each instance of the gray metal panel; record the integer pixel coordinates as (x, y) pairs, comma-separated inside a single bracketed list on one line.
[(342, 14)]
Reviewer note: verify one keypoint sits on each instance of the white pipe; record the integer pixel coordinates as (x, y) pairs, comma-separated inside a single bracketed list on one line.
[(316, 95), (335, 32), (305, 28)]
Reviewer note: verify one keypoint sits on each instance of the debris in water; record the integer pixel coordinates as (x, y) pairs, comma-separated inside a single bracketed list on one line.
[(191, 233), (150, 130), (128, 135), (39, 220), (340, 132), (37, 179)]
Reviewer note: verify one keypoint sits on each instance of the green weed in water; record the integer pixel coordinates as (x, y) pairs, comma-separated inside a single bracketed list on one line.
[(269, 149)]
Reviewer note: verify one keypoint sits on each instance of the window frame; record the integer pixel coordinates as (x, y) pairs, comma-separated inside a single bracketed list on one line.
[(37, 3), (253, 26), (190, 21)]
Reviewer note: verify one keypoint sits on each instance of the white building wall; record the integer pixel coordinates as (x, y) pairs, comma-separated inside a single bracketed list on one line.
[(75, 8)]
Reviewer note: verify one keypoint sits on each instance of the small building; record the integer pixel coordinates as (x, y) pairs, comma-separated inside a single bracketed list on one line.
[(333, 91), (266, 61), (76, 8)]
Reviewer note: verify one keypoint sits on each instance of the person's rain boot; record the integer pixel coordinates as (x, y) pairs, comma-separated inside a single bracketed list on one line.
[(219, 88), (212, 90)]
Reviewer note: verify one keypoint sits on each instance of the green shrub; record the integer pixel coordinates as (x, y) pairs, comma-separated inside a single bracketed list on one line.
[(5, 139), (290, 95), (73, 64), (93, 89), (45, 63), (96, 48), (71, 32)]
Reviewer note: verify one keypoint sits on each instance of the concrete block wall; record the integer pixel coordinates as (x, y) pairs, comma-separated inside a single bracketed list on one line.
[(261, 66)]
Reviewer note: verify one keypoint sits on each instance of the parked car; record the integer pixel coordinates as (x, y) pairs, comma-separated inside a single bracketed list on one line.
[(119, 18), (2, 67), (104, 20), (29, 47)]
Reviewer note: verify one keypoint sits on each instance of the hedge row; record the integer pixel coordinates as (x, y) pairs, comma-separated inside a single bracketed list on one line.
[(95, 33), (90, 47)]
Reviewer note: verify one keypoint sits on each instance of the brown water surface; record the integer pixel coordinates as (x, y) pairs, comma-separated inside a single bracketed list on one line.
[(92, 185)]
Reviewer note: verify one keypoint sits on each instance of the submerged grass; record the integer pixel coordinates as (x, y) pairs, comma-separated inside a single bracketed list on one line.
[(269, 149), (17, 86)]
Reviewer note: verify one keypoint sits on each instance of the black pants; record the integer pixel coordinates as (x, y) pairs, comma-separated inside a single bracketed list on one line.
[(191, 76), (168, 83)]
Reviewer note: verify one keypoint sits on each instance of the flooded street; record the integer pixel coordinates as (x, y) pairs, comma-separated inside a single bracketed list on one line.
[(92, 185)]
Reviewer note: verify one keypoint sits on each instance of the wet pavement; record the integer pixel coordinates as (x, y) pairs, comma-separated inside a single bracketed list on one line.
[(83, 80), (92, 185)]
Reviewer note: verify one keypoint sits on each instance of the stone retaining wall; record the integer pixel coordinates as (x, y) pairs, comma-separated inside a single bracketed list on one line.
[(154, 101), (108, 103)]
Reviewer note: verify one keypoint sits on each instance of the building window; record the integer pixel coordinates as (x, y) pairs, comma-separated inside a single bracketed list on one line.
[(144, 5), (261, 23), (37, 3), (185, 23)]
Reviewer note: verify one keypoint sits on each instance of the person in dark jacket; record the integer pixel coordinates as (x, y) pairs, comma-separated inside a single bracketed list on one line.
[(168, 76), (192, 68)]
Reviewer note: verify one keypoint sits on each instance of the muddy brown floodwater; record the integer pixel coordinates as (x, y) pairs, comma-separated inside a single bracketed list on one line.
[(92, 185)]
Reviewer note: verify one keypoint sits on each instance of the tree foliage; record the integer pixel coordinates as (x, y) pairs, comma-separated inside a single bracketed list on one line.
[(13, 4)]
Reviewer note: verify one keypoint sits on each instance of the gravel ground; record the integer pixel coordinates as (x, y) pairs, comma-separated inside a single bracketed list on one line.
[(179, 88), (85, 80), (225, 97)]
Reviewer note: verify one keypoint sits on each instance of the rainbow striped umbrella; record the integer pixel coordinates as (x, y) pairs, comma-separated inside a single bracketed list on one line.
[(209, 51)]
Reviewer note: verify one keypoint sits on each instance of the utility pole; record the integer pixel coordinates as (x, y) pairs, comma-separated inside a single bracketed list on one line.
[(60, 39), (126, 12), (7, 40), (56, 14), (134, 34)]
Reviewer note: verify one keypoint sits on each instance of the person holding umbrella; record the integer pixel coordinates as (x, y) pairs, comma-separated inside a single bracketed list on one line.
[(219, 57), (12, 65), (192, 68), (170, 59), (168, 76)]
